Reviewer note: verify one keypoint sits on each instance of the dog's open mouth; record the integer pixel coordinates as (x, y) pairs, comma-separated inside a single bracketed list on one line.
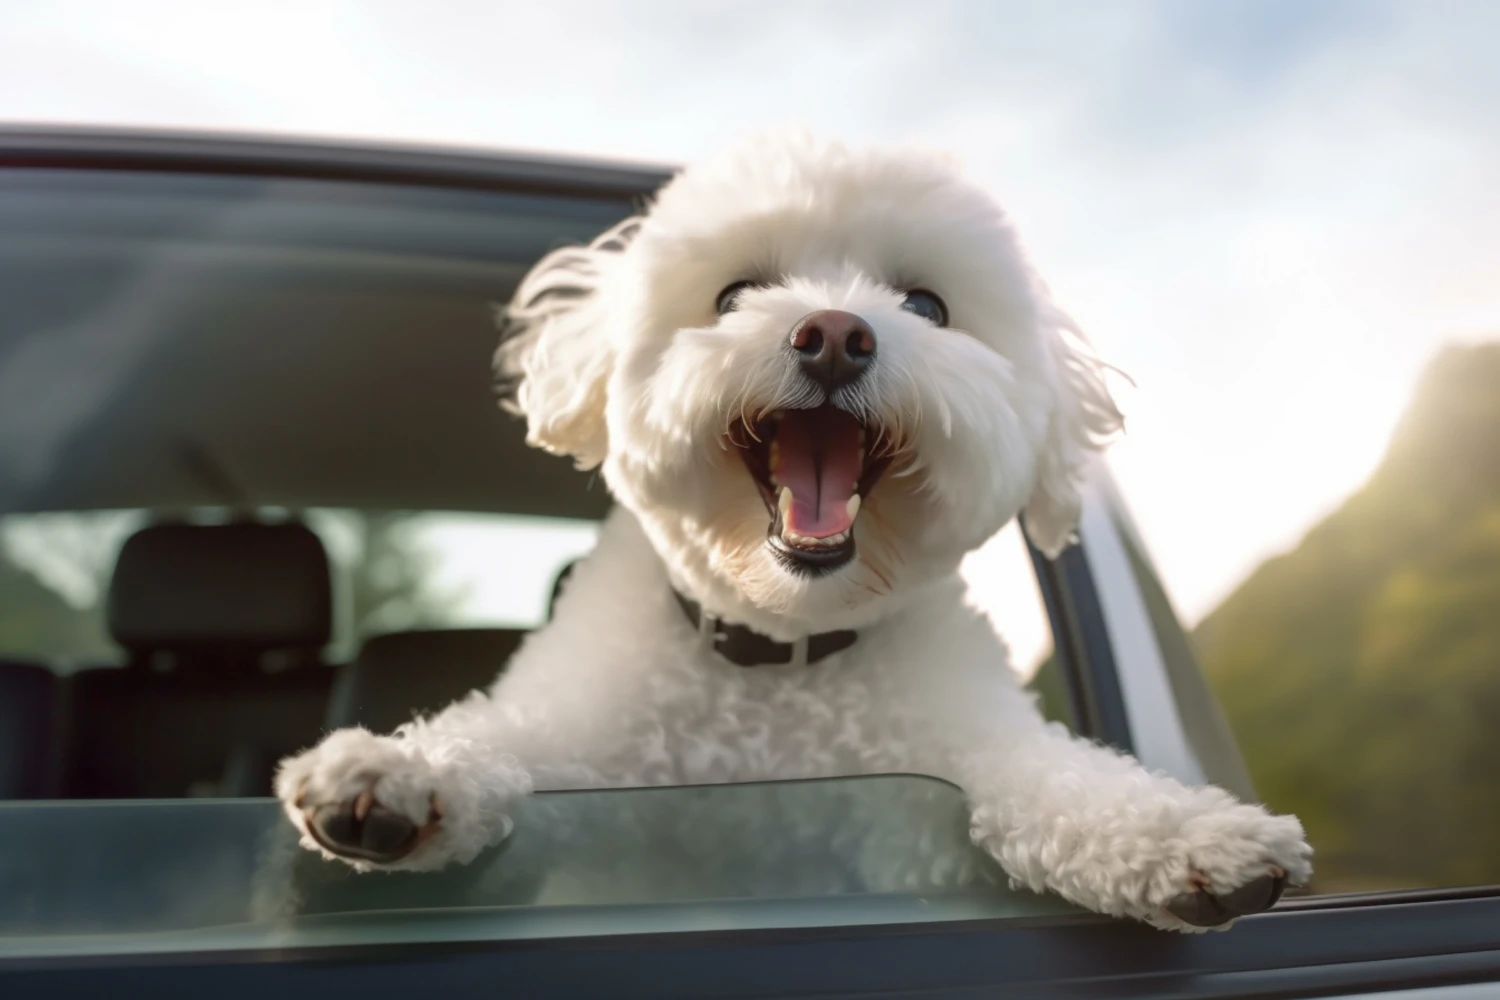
[(814, 468)]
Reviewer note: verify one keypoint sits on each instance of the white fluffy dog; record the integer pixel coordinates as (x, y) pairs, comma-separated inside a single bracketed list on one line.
[(814, 378)]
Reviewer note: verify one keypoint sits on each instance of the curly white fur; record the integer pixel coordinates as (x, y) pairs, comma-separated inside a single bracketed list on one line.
[(620, 361)]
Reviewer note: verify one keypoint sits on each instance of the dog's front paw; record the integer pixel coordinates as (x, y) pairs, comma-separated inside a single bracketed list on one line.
[(1227, 863), (365, 799), (1203, 907)]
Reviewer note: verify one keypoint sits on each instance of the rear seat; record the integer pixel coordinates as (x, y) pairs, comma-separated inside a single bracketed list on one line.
[(29, 707), (224, 626), (404, 674)]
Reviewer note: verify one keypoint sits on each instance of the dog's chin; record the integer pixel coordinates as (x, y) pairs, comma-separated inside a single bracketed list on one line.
[(814, 469)]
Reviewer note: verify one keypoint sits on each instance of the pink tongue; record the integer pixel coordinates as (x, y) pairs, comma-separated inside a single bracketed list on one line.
[(818, 458)]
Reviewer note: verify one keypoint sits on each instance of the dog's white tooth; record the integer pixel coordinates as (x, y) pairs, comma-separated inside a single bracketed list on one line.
[(784, 502), (852, 507)]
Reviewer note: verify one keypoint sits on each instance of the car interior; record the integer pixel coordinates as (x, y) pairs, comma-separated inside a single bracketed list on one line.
[(224, 627), (180, 342)]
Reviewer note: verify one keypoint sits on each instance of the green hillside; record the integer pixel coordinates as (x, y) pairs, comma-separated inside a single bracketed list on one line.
[(1361, 671)]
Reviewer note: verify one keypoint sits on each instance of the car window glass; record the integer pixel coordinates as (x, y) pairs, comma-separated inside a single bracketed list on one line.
[(221, 876)]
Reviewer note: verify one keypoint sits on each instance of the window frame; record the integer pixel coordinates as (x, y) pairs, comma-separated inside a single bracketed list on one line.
[(1129, 673), (1355, 948)]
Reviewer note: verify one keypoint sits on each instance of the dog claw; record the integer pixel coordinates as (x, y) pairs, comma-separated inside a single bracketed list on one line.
[(1201, 908)]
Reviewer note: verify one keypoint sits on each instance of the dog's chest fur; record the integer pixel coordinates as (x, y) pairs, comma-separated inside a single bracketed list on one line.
[(621, 662)]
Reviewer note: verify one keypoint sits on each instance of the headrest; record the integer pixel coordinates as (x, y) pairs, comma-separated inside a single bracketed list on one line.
[(248, 586)]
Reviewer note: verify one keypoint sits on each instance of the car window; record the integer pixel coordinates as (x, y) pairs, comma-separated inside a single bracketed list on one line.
[(392, 571), (317, 352), (220, 876)]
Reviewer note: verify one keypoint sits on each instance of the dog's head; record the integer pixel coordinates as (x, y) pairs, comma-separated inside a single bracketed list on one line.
[(817, 376)]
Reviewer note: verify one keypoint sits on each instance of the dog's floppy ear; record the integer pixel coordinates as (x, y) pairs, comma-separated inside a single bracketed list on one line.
[(554, 359), (1083, 420)]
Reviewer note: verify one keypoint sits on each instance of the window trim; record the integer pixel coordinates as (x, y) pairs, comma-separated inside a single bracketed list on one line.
[(1111, 656), (1150, 704), (66, 148), (1304, 952), (1081, 645)]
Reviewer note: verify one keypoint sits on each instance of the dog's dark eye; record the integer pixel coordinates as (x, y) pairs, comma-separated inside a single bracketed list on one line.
[(728, 299), (926, 305)]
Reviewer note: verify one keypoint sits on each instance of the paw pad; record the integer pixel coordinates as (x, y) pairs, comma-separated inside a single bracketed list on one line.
[(362, 828), (1202, 908)]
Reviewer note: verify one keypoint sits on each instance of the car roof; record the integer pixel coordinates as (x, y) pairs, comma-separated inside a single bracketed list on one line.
[(244, 154)]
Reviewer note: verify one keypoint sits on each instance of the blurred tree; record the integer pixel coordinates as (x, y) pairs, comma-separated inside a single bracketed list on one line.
[(36, 623), (54, 570), (1051, 692), (1361, 671), (392, 581)]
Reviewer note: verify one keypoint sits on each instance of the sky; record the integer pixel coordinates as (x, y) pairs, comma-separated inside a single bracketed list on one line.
[(1270, 214)]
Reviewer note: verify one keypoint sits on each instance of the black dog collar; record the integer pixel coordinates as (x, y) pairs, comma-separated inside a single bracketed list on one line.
[(745, 647)]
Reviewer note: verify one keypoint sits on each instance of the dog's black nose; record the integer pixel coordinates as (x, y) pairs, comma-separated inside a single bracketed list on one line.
[(835, 347)]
